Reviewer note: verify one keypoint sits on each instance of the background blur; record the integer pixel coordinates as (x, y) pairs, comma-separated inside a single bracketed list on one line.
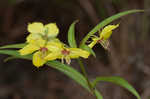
[(129, 57)]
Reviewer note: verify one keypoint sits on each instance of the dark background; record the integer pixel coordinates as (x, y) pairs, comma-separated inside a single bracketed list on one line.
[(129, 56)]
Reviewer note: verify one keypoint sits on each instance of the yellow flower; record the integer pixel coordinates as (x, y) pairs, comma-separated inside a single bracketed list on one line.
[(50, 29), (104, 35), (59, 51), (44, 45), (107, 31), (40, 46), (38, 30)]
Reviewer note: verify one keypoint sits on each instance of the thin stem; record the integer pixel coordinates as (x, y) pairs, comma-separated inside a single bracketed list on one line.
[(85, 75), (84, 72)]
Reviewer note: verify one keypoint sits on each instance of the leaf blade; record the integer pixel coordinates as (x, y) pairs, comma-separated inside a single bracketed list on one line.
[(71, 35), (21, 45), (98, 94), (119, 81), (15, 53)]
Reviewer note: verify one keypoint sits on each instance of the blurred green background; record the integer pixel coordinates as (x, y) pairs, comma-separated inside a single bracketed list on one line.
[(129, 56)]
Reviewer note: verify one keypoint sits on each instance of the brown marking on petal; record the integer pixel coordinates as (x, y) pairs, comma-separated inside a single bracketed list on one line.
[(43, 49), (65, 52)]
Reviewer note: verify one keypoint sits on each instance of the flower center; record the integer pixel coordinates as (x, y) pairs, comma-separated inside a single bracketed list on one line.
[(100, 40), (43, 49), (65, 52)]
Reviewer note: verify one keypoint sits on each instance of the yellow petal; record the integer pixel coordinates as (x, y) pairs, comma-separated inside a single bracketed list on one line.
[(31, 38), (53, 56), (54, 46), (91, 45), (52, 29), (76, 52), (107, 31), (54, 40), (37, 42), (28, 49), (36, 27), (38, 60), (40, 43)]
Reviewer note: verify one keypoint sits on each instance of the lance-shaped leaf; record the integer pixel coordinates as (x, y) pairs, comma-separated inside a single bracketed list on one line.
[(71, 35), (13, 46), (119, 81)]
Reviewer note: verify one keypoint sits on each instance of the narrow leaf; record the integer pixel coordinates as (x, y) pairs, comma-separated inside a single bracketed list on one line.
[(10, 58), (15, 53), (119, 81), (71, 35), (98, 94), (69, 71), (106, 22), (13, 46)]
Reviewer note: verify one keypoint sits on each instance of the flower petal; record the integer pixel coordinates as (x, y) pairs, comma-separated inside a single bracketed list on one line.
[(54, 46), (31, 38), (53, 56), (38, 60), (40, 42), (36, 27), (52, 29), (107, 31), (77, 52), (28, 49), (91, 45)]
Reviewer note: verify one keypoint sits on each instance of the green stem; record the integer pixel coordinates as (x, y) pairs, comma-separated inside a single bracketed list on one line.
[(85, 75)]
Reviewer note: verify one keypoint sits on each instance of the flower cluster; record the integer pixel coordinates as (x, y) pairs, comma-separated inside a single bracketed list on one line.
[(104, 35), (45, 46)]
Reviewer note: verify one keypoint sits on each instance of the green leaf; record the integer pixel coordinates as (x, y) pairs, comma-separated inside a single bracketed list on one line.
[(13, 46), (71, 35), (66, 69), (15, 53), (119, 81), (98, 94), (74, 74), (87, 48), (10, 58), (69, 71), (106, 22)]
